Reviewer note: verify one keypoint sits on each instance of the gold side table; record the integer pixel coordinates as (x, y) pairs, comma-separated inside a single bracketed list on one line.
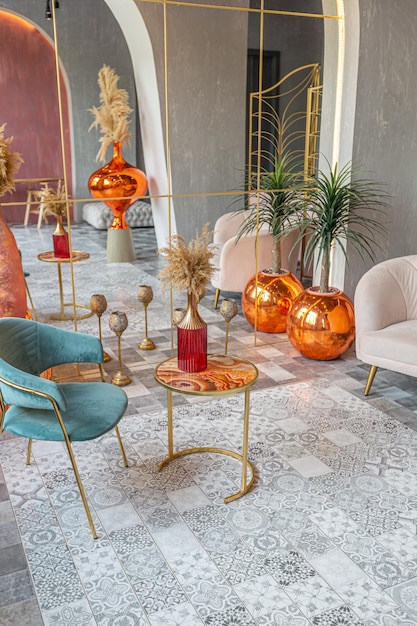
[(77, 256), (224, 375)]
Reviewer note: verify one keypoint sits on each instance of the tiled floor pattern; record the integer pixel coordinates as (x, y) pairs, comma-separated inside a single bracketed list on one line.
[(328, 536)]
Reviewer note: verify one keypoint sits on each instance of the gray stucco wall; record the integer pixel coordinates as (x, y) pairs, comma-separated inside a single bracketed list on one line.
[(88, 37), (385, 139), (206, 106)]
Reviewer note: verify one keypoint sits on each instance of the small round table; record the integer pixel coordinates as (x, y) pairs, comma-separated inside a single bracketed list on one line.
[(224, 375), (77, 256)]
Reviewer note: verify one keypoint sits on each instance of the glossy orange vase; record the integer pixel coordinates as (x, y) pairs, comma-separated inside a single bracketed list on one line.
[(118, 184), (320, 325), (271, 296), (12, 279)]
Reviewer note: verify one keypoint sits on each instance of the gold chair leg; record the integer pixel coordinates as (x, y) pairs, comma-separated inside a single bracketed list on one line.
[(371, 376), (29, 452), (216, 298), (31, 302), (82, 492), (119, 438), (102, 375)]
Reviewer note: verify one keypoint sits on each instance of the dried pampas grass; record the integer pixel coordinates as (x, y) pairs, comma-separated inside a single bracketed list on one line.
[(54, 200), (9, 163), (112, 115), (188, 266)]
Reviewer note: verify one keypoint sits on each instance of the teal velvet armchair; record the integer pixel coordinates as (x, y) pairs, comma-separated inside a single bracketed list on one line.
[(39, 408)]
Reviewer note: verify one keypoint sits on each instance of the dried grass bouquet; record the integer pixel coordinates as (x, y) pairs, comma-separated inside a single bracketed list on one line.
[(188, 267), (112, 114), (54, 200), (9, 163)]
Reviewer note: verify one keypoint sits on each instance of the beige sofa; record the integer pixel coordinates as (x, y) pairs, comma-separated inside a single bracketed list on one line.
[(386, 317)]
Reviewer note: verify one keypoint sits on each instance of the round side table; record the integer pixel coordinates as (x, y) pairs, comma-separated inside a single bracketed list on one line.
[(77, 256), (224, 375)]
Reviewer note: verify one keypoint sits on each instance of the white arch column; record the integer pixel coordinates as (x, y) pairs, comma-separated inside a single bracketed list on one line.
[(139, 44), (340, 77)]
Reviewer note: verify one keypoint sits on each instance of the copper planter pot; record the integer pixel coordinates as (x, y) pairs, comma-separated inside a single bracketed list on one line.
[(320, 325), (272, 296)]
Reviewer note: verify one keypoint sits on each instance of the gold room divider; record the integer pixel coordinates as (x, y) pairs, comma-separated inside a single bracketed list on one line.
[(299, 129)]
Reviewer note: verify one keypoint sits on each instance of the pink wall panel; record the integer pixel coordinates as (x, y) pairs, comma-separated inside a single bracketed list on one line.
[(29, 106)]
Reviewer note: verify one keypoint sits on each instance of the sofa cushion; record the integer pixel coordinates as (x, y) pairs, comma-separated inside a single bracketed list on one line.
[(98, 214)]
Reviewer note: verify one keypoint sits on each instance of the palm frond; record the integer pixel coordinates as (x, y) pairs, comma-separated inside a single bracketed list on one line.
[(112, 114), (9, 163)]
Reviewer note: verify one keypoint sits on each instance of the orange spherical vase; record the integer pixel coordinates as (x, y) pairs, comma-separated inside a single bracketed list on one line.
[(270, 296), (321, 325)]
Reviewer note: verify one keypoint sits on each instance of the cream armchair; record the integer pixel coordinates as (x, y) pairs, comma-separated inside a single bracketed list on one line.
[(236, 259), (386, 317)]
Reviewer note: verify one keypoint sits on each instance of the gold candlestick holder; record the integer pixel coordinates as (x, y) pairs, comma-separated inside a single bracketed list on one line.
[(177, 316), (98, 305), (118, 324), (228, 309), (145, 295)]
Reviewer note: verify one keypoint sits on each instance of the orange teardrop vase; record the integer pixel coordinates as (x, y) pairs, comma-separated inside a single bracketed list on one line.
[(118, 184)]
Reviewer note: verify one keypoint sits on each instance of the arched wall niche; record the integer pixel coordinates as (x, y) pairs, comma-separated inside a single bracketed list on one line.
[(28, 105)]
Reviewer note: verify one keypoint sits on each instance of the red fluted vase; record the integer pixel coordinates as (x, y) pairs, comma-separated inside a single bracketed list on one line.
[(60, 240), (118, 184), (192, 339), (12, 279)]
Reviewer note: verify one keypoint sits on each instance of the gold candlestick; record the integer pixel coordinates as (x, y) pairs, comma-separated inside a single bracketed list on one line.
[(228, 309), (98, 305), (145, 295), (177, 316), (118, 324)]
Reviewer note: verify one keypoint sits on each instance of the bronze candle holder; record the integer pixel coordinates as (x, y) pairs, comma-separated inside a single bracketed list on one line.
[(145, 295), (118, 324), (98, 305), (228, 309)]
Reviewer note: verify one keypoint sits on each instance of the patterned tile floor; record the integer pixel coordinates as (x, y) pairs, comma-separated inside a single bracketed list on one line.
[(327, 536)]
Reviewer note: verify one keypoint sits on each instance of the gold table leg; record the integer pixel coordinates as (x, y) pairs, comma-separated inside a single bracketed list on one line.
[(243, 458), (62, 317)]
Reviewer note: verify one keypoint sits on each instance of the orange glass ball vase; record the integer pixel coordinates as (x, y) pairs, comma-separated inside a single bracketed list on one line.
[(272, 296), (321, 325), (12, 279), (118, 184)]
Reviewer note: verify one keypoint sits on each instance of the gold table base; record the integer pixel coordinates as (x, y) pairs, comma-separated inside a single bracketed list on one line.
[(62, 317), (245, 487)]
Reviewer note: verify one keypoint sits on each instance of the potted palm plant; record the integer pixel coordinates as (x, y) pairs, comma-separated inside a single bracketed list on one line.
[(341, 207), (279, 198)]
